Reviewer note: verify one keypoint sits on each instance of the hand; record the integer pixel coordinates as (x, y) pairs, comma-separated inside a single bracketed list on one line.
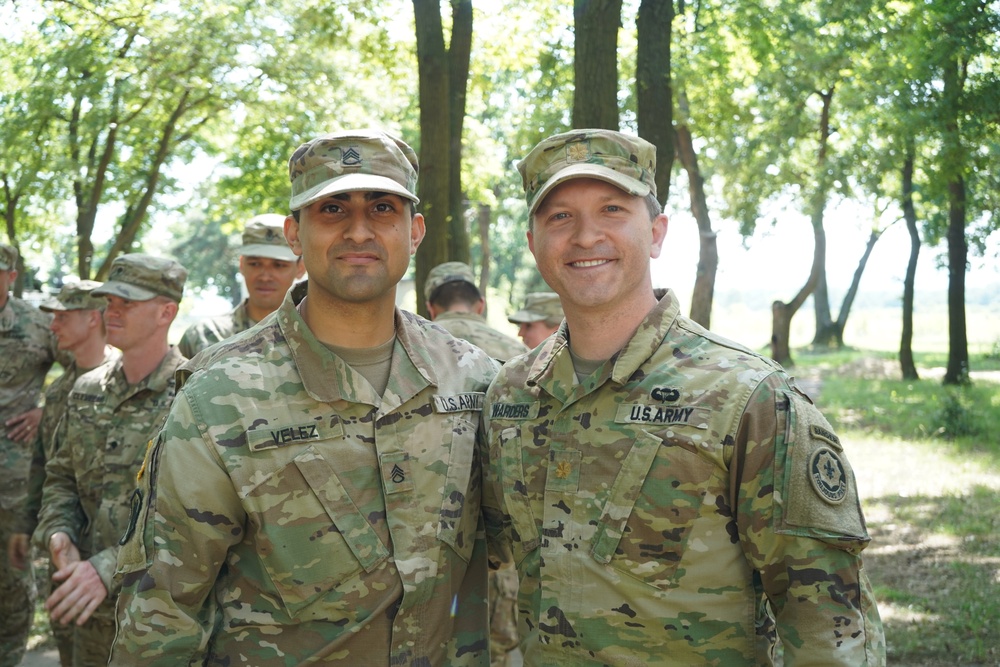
[(81, 592), (24, 427), (17, 550), (62, 551)]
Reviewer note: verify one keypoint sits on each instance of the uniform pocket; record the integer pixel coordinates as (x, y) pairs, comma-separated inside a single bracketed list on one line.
[(457, 526), (515, 492), (310, 534)]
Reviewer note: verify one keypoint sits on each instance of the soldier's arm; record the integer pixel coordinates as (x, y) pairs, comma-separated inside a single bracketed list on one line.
[(60, 510), (802, 530), (36, 478), (186, 515), (494, 514)]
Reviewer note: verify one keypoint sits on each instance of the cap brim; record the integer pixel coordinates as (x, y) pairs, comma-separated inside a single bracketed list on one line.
[(269, 252), (351, 183), (589, 170), (125, 291), (52, 306), (525, 317)]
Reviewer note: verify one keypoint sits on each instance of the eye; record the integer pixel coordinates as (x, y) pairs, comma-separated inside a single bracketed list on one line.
[(384, 207), (330, 207)]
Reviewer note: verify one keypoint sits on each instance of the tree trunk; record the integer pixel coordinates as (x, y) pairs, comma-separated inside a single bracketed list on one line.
[(852, 291), (435, 142), (906, 363), (595, 63), (459, 53), (708, 254), (483, 220), (654, 94), (825, 332)]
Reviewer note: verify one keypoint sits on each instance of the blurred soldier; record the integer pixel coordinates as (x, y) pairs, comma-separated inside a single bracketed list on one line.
[(78, 326), (111, 415), (669, 496), (314, 495), (540, 318), (269, 267), (455, 304), (27, 351)]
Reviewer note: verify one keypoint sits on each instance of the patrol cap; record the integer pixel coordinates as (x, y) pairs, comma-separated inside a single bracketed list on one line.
[(139, 277), (539, 306), (8, 257), (75, 296), (349, 161), (449, 272), (625, 161), (264, 236)]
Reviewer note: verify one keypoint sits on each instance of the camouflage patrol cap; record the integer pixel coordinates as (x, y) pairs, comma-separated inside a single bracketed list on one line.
[(8, 257), (75, 296), (351, 161), (625, 161), (264, 236), (539, 306), (139, 277), (448, 272)]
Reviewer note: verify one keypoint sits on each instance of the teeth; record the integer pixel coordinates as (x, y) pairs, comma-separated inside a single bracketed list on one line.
[(587, 264)]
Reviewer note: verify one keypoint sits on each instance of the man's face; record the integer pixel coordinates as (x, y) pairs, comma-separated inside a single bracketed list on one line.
[(73, 327), (592, 243), (533, 333), (267, 281), (131, 323), (356, 246)]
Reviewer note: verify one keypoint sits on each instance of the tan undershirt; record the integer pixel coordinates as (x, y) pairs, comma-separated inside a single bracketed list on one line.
[(372, 362)]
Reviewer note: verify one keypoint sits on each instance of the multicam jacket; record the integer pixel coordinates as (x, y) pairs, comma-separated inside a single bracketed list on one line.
[(685, 505), (27, 352), (289, 515), (99, 447), (56, 395), (473, 328), (209, 332)]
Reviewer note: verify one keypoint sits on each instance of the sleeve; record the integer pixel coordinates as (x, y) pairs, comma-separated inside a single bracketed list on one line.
[(28, 519), (185, 517), (494, 512), (60, 510), (802, 530)]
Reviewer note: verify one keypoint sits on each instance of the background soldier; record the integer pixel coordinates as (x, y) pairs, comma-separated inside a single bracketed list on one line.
[(314, 494), (668, 495), (454, 303), (78, 326), (540, 318), (111, 414), (27, 351), (269, 267)]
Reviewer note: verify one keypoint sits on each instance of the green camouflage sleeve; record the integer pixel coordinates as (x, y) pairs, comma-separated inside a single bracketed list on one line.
[(494, 513), (60, 502), (28, 518), (187, 510), (800, 523)]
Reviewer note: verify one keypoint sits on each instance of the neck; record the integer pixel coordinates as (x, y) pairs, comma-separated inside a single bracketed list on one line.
[(90, 353), (351, 325), (138, 362), (600, 334), (257, 313)]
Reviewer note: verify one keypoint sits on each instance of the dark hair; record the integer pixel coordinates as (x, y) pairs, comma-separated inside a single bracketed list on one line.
[(454, 292)]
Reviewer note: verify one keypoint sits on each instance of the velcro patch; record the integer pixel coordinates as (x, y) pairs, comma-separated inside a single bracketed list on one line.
[(271, 437), (396, 473), (826, 435), (637, 413), (521, 411), (469, 401), (827, 474)]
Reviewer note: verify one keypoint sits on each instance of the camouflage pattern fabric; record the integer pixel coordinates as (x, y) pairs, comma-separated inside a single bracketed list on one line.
[(685, 504), (99, 448), (473, 328), (208, 332), (27, 351), (287, 514)]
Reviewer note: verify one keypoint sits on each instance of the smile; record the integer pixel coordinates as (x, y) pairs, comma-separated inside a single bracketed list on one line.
[(586, 264)]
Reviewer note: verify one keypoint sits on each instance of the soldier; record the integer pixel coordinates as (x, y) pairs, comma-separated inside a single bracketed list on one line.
[(79, 328), (111, 414), (669, 496), (540, 318), (27, 352), (454, 303), (269, 267), (314, 495)]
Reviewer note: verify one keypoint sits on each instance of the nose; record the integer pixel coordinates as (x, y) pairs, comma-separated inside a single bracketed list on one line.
[(359, 228), (588, 231)]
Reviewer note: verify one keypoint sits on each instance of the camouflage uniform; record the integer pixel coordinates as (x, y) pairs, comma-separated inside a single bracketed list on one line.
[(287, 514), (208, 332), (473, 328), (27, 351), (685, 504)]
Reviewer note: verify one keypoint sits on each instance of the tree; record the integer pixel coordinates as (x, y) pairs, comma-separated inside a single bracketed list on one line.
[(595, 63)]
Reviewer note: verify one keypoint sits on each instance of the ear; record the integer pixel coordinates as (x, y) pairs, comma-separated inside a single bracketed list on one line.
[(301, 271), (659, 233), (292, 235), (169, 312), (480, 306), (432, 312), (417, 231), (531, 241)]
